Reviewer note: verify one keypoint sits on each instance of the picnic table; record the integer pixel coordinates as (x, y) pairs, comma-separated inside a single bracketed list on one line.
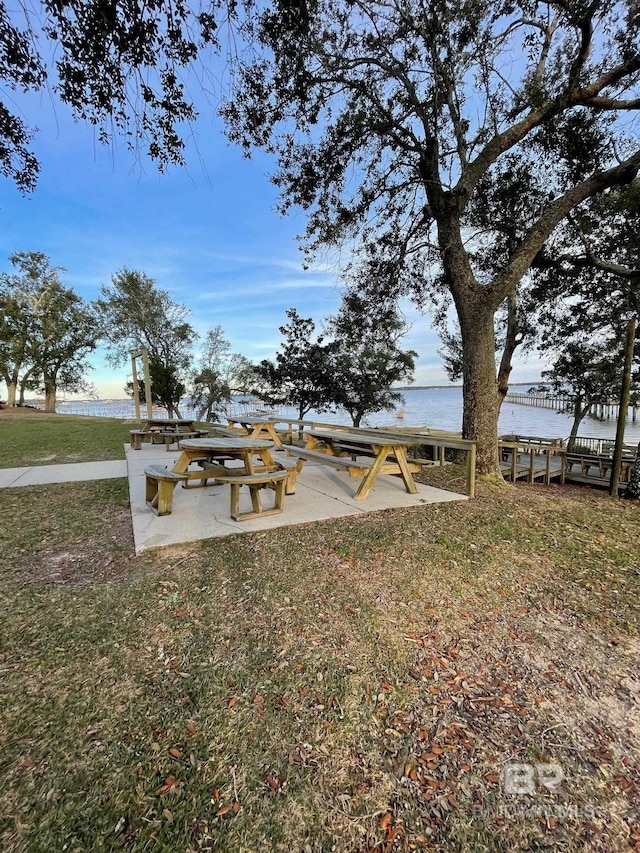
[(165, 430), (345, 449), (211, 454), (257, 427)]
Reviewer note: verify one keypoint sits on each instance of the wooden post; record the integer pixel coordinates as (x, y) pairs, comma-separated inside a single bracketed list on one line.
[(471, 470), (624, 405), (147, 382), (136, 390), (144, 355)]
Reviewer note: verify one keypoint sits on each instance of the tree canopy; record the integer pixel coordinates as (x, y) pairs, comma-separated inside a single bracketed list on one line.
[(301, 374), (393, 123), (220, 375), (46, 331), (117, 65)]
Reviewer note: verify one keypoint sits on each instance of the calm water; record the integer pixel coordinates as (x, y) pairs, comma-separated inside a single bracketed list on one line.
[(437, 408)]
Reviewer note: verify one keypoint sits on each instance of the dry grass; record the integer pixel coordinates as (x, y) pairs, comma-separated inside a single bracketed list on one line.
[(352, 685)]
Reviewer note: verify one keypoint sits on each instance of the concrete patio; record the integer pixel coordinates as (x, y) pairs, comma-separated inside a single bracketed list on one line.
[(203, 513)]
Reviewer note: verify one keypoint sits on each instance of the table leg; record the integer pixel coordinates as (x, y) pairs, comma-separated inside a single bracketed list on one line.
[(182, 462), (368, 481), (273, 435), (401, 456)]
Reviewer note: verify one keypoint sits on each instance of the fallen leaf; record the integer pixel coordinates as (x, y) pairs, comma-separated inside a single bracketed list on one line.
[(386, 820), (191, 729), (223, 810), (175, 753)]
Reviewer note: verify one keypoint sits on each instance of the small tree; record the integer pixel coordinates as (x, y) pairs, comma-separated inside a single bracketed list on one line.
[(136, 315), (21, 296), (221, 374), (67, 334), (367, 360), (588, 372), (46, 331), (301, 375)]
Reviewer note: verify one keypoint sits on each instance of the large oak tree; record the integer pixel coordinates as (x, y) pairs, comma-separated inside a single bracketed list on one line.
[(392, 120)]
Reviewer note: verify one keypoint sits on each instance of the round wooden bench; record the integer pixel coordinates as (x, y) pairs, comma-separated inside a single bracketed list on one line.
[(159, 485), (264, 480)]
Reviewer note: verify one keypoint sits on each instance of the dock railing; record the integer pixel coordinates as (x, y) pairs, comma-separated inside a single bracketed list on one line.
[(532, 468)]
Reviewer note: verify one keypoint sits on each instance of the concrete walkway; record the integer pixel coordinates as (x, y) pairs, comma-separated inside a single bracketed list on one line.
[(204, 513), (74, 472)]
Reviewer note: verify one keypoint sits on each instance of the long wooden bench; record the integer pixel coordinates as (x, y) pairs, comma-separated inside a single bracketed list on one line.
[(159, 485), (534, 443), (264, 480), (355, 467)]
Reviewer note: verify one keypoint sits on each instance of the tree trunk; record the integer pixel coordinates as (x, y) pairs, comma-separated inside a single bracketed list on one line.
[(479, 384), (23, 384), (50, 392), (510, 345), (579, 413), (11, 381), (11, 393)]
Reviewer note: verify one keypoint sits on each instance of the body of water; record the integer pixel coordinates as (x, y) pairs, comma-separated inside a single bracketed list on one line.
[(436, 408)]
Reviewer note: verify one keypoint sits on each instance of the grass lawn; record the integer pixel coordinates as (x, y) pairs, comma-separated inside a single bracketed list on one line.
[(34, 438), (358, 684)]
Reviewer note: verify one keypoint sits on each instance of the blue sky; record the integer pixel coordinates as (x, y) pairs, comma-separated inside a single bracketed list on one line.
[(208, 233)]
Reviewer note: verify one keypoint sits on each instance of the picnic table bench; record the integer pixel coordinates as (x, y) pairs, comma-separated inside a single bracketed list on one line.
[(256, 483), (165, 431), (327, 458)]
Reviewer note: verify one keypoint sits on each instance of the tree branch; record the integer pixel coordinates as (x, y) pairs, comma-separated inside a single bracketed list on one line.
[(540, 231)]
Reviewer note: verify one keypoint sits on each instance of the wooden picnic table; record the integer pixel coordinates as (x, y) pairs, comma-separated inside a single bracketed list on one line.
[(344, 449), (257, 427), (168, 425), (164, 430), (219, 449), (211, 454)]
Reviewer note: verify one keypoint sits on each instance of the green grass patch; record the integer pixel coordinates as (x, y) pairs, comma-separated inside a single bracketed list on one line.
[(351, 685), (40, 439)]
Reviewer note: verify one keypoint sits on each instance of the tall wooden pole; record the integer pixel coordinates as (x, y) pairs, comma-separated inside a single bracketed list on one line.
[(624, 405), (136, 389), (147, 382)]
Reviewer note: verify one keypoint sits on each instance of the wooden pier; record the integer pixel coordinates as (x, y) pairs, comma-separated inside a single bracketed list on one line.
[(605, 410)]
